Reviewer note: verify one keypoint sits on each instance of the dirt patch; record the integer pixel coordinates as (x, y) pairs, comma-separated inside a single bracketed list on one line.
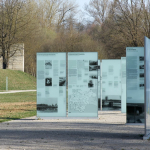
[(10, 110)]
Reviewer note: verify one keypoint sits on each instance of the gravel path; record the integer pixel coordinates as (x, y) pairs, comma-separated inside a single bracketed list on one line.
[(17, 91), (109, 132)]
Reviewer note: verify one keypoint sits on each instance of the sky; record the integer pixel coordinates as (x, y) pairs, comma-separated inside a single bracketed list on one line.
[(82, 14), (81, 3)]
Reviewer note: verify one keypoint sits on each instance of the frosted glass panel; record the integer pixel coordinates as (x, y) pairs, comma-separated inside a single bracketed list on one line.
[(123, 84), (99, 84), (82, 84), (147, 88), (51, 84), (111, 84), (135, 84)]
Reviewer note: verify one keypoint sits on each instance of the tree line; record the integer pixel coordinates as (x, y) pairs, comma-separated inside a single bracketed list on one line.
[(53, 26)]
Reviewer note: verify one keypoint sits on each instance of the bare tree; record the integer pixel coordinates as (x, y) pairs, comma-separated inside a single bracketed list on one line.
[(98, 9), (14, 19)]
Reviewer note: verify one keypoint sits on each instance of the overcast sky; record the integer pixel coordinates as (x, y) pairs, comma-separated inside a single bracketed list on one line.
[(81, 3), (82, 14)]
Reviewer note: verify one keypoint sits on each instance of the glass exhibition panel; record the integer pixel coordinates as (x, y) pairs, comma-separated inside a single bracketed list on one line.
[(82, 84), (111, 84), (123, 84), (147, 86), (135, 84), (99, 85), (51, 84)]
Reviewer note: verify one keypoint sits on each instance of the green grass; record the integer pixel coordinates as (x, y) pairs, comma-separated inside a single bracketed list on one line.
[(18, 97), (17, 106), (17, 80)]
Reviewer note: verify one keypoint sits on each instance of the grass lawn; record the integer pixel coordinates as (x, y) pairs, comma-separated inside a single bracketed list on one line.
[(17, 80), (17, 105)]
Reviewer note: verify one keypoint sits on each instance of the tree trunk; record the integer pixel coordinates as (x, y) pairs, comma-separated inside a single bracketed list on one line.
[(4, 63)]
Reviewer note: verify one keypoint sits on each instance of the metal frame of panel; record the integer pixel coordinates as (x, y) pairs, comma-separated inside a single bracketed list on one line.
[(147, 87), (123, 84)]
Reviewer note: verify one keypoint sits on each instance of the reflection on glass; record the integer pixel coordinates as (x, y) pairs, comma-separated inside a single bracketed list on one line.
[(135, 84), (135, 113), (111, 102), (111, 84)]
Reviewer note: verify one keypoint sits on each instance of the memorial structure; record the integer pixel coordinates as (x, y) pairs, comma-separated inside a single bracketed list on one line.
[(111, 84), (135, 84), (16, 61), (51, 85), (82, 84)]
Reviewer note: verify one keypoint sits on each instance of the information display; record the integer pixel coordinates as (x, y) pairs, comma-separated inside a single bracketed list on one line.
[(135, 84), (51, 84), (123, 84), (82, 84), (111, 84), (147, 87), (99, 84)]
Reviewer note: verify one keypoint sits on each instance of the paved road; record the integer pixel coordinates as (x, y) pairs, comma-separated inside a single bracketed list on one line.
[(108, 132), (17, 91)]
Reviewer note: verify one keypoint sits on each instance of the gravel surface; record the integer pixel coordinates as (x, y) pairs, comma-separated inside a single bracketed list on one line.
[(108, 132), (16, 91)]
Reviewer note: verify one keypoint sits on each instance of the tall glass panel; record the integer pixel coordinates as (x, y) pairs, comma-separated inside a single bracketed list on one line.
[(51, 84), (111, 84), (147, 86), (135, 84), (82, 84), (123, 84), (99, 85)]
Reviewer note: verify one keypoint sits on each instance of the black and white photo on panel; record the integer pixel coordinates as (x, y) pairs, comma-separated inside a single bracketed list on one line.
[(50, 105), (48, 81), (93, 65), (93, 76), (62, 81), (141, 58), (48, 64), (141, 75), (93, 68), (93, 62), (90, 84), (141, 85), (141, 67)]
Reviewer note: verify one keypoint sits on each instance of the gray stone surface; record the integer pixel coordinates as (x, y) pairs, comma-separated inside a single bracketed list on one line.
[(16, 62), (108, 132)]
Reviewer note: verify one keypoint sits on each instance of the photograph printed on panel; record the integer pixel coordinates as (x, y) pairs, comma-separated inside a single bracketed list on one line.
[(93, 76), (141, 75), (90, 84), (62, 81), (93, 62), (93, 68), (141, 67), (48, 82), (48, 64), (51, 106), (141, 85), (141, 58)]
